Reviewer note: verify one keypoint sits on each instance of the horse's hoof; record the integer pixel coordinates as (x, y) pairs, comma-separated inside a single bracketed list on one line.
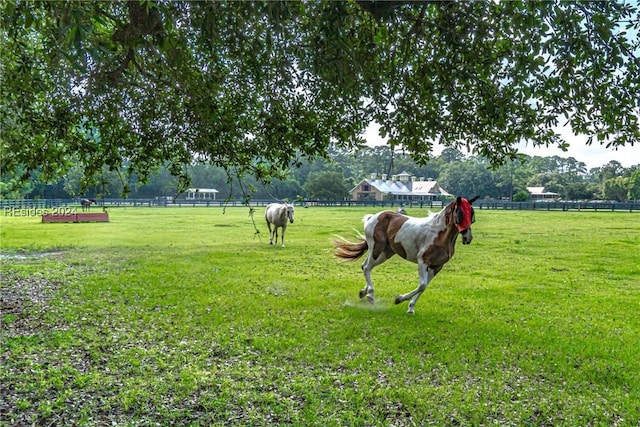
[(398, 299), (362, 293), (411, 313), (371, 299)]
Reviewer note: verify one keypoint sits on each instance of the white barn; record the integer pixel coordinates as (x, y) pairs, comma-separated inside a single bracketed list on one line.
[(201, 194), (402, 187), (538, 193)]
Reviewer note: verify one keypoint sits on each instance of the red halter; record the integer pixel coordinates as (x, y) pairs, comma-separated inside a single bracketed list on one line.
[(464, 215)]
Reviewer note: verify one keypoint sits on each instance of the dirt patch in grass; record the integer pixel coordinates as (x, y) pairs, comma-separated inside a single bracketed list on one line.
[(21, 299), (27, 255), (28, 283)]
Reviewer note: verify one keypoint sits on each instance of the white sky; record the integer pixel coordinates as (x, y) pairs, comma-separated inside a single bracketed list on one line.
[(593, 156)]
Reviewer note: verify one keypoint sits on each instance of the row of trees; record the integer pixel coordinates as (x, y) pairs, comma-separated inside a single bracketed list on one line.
[(333, 177)]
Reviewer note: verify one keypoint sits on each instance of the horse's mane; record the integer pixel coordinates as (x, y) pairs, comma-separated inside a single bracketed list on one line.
[(447, 212), (432, 214)]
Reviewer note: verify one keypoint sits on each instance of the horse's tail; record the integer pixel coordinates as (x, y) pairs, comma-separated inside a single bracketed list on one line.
[(350, 251)]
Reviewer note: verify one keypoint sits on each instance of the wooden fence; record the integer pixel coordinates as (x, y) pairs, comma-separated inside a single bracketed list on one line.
[(559, 206), (7, 207)]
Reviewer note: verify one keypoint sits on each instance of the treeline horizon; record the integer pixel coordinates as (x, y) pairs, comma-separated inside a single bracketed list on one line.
[(331, 179)]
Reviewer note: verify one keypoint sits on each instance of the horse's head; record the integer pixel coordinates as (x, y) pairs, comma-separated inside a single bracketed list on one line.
[(290, 213), (464, 216)]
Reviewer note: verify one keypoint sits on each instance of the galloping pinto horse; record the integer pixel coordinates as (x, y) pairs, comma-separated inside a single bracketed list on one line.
[(429, 242), (278, 214), (86, 204)]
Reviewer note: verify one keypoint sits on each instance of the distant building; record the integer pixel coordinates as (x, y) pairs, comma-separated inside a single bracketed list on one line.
[(538, 193), (201, 194), (402, 187)]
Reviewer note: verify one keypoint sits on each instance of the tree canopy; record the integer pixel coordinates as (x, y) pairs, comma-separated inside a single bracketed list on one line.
[(254, 87)]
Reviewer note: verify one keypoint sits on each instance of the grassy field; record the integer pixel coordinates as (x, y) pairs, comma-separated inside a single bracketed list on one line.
[(186, 316)]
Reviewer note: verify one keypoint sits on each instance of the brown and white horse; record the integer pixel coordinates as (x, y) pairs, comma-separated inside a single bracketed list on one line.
[(278, 214), (429, 242)]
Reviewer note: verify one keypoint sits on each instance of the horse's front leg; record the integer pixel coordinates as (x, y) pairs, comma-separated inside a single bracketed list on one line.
[(284, 228), (425, 275)]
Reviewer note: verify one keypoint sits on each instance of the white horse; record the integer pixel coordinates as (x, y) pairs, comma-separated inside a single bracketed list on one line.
[(278, 214), (429, 242)]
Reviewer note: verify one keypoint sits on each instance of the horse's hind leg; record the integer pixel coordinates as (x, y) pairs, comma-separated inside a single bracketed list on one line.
[(368, 289), (375, 257), (270, 233)]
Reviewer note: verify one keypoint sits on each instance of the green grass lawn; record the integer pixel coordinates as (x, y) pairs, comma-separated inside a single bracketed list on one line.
[(186, 316)]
